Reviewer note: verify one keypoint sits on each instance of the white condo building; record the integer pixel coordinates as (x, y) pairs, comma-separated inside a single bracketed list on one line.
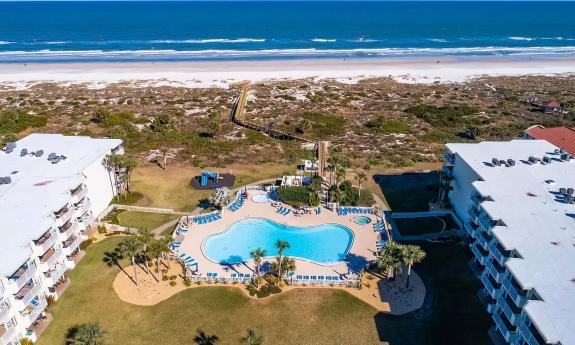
[(516, 200), (51, 187)]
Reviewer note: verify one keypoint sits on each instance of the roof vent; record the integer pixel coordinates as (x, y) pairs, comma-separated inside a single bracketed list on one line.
[(570, 199), (10, 146), (511, 162), (569, 191), (51, 156), (563, 191), (23, 152), (556, 151), (534, 160), (39, 153), (546, 160), (496, 162), (5, 180)]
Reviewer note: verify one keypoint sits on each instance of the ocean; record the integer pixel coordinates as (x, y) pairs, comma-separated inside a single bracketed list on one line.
[(246, 30)]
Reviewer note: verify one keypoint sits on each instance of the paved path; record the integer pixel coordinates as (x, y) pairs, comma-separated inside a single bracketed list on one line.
[(158, 231)]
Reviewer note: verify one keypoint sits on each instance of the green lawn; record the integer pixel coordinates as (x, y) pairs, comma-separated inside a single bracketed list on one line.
[(452, 314), (144, 220)]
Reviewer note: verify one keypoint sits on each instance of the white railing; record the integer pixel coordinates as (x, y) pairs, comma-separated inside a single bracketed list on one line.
[(57, 273), (81, 194), (31, 294), (66, 216), (53, 259), (4, 308), (8, 336), (49, 242), (42, 304), (71, 230), (26, 276)]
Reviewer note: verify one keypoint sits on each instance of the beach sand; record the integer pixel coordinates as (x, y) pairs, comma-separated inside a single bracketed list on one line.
[(225, 73)]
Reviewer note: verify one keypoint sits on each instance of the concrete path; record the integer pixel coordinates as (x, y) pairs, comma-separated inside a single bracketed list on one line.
[(158, 231)]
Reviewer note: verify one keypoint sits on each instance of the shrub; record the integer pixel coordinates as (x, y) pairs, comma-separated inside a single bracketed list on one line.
[(252, 290), (102, 229), (165, 277), (294, 195), (187, 282), (173, 283), (382, 125), (446, 116)]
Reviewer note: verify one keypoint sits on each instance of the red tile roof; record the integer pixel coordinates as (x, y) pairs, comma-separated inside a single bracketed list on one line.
[(562, 137)]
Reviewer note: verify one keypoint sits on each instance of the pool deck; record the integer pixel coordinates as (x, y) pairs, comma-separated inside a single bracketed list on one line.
[(362, 250)]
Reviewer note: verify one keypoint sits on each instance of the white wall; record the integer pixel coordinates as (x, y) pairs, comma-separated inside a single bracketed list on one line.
[(460, 196), (101, 188)]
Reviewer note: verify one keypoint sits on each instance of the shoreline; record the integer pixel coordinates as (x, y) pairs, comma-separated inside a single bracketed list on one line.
[(224, 73)]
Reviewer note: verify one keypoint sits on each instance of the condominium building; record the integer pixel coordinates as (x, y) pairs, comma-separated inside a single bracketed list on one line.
[(51, 187), (516, 200)]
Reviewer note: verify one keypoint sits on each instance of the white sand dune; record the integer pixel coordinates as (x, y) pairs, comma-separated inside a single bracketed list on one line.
[(224, 73)]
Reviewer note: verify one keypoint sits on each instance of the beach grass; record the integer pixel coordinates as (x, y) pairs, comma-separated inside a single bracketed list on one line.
[(310, 316)]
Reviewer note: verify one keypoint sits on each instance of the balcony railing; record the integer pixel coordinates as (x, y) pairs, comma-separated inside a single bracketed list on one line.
[(512, 316), (56, 273), (66, 216), (507, 334), (497, 254), (518, 297), (484, 221), (8, 336), (491, 289), (498, 274), (38, 308), (51, 260), (527, 335), (482, 240), (4, 308), (46, 243), (478, 254), (23, 276), (79, 194), (66, 233)]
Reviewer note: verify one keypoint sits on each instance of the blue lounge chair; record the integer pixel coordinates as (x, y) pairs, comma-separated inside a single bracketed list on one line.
[(328, 278), (298, 277), (247, 275)]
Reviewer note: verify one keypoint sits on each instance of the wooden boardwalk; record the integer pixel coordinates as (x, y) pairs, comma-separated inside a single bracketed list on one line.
[(237, 116)]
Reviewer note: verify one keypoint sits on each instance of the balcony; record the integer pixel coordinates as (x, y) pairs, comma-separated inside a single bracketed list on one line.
[(49, 259), (515, 294), (55, 274), (483, 239), (68, 229), (512, 313), (499, 274), (64, 214), (45, 242), (530, 338), (4, 309), (497, 254), (79, 193), (479, 255), (35, 308), (7, 333), (484, 221), (504, 328), (490, 287), (470, 229), (473, 213), (71, 244), (28, 292), (23, 275)]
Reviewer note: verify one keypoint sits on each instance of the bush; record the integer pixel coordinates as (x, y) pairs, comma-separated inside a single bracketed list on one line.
[(173, 283), (165, 277), (187, 282), (381, 125), (102, 229), (252, 290), (294, 195), (446, 116)]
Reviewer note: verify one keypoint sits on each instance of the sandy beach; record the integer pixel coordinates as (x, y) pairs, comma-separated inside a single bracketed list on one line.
[(225, 73)]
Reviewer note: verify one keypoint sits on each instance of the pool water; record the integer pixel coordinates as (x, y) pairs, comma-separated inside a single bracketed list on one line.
[(326, 244), (362, 220), (260, 198)]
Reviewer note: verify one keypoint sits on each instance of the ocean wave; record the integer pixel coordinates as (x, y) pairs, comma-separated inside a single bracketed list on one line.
[(167, 54), (211, 40), (363, 40), (6, 42), (520, 38), (438, 40), (323, 40)]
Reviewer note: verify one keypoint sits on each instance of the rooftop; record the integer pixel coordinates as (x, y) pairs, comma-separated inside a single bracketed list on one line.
[(562, 137), (538, 224), (38, 188)]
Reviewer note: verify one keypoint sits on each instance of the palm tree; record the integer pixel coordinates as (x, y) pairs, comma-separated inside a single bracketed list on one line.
[(360, 177), (86, 334), (128, 164), (251, 338), (113, 258), (157, 248), (131, 247), (412, 254), (146, 237), (281, 246), (202, 338), (257, 254), (112, 163), (26, 341), (389, 258), (339, 176)]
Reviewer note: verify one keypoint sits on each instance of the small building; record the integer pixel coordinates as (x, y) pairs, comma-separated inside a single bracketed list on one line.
[(562, 137), (293, 181), (548, 107)]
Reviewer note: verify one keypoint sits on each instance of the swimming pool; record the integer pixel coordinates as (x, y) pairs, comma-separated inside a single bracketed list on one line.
[(260, 198), (326, 244), (362, 220)]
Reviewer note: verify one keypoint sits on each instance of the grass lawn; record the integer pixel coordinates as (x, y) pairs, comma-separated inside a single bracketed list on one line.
[(452, 314), (144, 220), (171, 188)]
